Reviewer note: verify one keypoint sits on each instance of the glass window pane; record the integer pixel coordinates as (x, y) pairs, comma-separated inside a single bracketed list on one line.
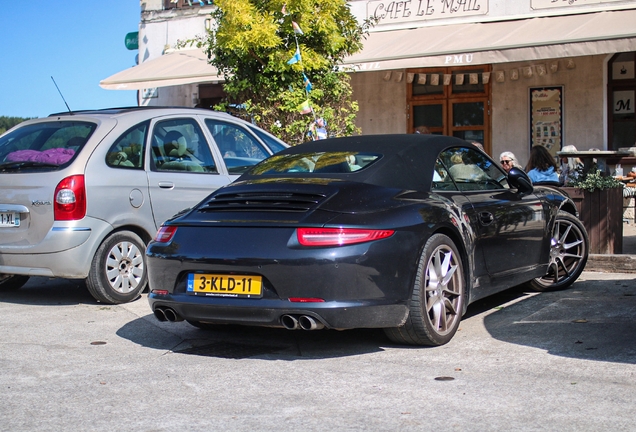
[(623, 135), (428, 84), (441, 180), (472, 170), (468, 114), (471, 135), (468, 85), (428, 115), (239, 149), (318, 162), (52, 143), (128, 150), (179, 145)]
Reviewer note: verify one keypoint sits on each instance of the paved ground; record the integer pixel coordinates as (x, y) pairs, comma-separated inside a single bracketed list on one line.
[(522, 361), (629, 238)]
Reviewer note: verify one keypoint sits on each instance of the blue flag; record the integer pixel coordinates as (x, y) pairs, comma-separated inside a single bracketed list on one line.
[(307, 83), (295, 58)]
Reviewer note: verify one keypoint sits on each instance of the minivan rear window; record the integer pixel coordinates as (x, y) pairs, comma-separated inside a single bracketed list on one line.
[(46, 144)]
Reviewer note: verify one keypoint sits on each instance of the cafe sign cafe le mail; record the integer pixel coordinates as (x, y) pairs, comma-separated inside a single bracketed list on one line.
[(398, 11), (390, 12)]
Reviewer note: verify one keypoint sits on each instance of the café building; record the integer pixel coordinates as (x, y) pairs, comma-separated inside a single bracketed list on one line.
[(507, 74)]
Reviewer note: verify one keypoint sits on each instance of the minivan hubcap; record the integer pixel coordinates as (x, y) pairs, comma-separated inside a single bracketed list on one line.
[(124, 267)]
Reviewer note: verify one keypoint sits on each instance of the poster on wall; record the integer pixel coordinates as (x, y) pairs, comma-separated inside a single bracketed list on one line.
[(546, 118)]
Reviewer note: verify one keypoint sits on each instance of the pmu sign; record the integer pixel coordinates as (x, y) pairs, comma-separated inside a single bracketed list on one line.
[(132, 40)]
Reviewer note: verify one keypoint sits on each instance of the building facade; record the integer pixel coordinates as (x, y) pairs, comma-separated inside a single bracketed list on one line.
[(507, 74)]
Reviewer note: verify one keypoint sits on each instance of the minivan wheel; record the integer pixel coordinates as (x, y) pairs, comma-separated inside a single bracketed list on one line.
[(12, 282), (118, 272)]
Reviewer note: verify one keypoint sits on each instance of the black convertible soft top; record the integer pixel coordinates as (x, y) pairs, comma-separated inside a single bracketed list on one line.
[(406, 161)]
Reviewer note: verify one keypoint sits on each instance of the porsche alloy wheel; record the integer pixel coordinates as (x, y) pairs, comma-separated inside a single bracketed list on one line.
[(118, 273), (438, 296), (568, 254)]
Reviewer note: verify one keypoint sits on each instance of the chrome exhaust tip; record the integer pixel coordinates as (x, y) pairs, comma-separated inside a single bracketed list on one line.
[(160, 315), (289, 322), (171, 315), (309, 323)]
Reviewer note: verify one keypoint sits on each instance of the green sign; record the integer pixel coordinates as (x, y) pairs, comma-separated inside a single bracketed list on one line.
[(132, 40)]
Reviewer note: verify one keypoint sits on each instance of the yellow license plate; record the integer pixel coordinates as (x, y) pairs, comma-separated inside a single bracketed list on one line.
[(225, 285)]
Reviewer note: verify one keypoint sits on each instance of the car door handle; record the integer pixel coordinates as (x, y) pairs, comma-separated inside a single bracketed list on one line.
[(166, 185), (486, 218)]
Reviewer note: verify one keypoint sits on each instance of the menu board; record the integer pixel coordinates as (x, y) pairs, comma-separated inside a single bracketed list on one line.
[(546, 118)]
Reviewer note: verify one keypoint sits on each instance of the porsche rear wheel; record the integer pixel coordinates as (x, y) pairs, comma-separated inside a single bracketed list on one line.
[(435, 307), (569, 248)]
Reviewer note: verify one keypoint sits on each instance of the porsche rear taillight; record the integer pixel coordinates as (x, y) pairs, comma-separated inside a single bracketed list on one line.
[(70, 199), (339, 236), (165, 233)]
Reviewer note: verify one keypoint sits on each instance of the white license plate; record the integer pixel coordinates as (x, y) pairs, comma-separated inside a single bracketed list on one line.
[(9, 219)]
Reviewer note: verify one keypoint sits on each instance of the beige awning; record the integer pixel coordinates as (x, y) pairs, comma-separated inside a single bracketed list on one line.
[(499, 42), (174, 68)]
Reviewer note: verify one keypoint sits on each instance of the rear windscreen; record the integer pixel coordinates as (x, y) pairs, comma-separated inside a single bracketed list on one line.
[(49, 144), (320, 163)]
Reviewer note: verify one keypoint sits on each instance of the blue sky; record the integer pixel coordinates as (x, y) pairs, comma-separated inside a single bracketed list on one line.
[(79, 43)]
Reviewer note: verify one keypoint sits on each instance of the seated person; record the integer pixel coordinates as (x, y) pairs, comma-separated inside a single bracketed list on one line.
[(542, 166)]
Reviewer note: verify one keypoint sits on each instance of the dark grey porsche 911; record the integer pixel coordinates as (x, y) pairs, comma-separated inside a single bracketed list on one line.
[(400, 232)]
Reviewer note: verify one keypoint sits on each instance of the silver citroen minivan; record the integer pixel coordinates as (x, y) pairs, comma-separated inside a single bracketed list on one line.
[(82, 193)]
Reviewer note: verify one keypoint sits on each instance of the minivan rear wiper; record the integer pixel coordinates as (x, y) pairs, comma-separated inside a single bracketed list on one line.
[(11, 166)]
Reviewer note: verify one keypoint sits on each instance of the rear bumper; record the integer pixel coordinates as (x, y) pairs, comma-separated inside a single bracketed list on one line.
[(268, 312), (67, 251)]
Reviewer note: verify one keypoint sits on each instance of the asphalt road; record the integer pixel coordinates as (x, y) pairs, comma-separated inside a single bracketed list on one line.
[(521, 361)]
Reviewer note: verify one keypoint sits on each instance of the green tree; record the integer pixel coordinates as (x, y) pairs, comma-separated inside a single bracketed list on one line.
[(7, 123), (252, 44)]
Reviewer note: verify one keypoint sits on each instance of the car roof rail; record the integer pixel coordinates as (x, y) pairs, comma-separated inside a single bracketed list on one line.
[(119, 110)]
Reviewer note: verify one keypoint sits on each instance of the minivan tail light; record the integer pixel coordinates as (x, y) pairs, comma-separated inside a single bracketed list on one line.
[(339, 236), (165, 233), (70, 199)]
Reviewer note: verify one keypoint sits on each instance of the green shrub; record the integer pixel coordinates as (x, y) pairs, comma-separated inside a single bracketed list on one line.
[(594, 179)]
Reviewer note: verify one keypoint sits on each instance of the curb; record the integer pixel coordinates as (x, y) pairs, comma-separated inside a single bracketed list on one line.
[(611, 263)]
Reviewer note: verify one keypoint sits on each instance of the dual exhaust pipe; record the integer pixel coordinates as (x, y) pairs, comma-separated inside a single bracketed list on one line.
[(304, 322), (167, 314), (290, 322)]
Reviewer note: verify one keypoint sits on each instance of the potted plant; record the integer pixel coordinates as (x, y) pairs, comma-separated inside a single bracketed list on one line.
[(599, 200)]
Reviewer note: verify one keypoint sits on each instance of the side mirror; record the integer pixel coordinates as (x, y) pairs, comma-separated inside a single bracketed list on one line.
[(519, 180)]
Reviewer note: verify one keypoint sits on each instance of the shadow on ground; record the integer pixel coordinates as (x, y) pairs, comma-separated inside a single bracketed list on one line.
[(43, 291), (236, 342), (593, 320)]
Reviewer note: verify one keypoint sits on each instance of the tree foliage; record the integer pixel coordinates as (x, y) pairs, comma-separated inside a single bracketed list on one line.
[(252, 44), (7, 123)]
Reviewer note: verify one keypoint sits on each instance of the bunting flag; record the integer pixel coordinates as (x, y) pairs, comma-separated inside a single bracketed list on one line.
[(307, 83), (304, 108), (284, 9), (295, 58), (296, 28)]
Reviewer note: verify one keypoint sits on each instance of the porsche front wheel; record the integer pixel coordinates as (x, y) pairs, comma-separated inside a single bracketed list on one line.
[(569, 248)]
